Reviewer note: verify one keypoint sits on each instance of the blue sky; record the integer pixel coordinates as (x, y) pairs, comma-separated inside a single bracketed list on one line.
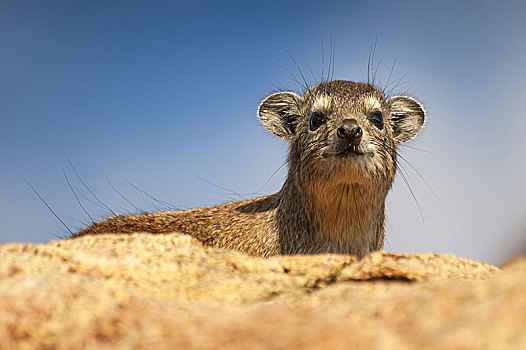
[(164, 95)]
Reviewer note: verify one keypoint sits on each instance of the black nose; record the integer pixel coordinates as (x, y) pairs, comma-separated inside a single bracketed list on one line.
[(350, 130)]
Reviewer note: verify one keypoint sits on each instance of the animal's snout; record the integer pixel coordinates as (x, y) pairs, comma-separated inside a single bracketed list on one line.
[(350, 131)]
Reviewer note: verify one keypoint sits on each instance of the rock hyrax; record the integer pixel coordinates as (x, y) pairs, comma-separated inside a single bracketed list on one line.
[(343, 138)]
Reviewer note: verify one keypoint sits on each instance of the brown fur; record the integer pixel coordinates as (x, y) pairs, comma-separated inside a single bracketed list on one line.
[(333, 200)]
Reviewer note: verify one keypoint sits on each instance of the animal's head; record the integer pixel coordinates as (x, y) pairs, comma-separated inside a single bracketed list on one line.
[(342, 130)]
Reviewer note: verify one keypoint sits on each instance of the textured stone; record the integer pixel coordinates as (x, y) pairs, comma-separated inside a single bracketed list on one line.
[(144, 291)]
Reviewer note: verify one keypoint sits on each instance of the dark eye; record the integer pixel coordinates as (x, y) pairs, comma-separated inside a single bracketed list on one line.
[(378, 120), (316, 120)]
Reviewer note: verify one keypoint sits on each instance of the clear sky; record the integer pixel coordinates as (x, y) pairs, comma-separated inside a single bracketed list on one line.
[(164, 95)]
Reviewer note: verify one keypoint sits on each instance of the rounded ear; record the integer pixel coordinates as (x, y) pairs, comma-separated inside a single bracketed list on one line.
[(279, 113), (407, 117)]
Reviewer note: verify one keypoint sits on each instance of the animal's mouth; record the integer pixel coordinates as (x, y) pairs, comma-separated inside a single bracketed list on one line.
[(352, 151)]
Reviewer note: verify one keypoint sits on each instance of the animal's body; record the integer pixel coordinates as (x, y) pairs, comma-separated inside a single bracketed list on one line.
[(343, 138)]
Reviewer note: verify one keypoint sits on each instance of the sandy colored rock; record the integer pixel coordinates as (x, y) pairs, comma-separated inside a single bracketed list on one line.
[(145, 291)]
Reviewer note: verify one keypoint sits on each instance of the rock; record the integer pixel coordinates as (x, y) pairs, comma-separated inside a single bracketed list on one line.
[(143, 291)]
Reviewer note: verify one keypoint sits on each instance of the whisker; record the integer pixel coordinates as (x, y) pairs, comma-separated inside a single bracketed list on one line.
[(311, 73), (389, 78), (166, 205), (398, 81), (293, 59), (401, 172), (122, 196), (415, 169), (271, 176), (322, 62), (51, 210), (420, 209), (87, 188), (76, 197), (372, 59), (333, 48), (378, 67), (219, 187), (303, 87), (418, 173), (416, 149)]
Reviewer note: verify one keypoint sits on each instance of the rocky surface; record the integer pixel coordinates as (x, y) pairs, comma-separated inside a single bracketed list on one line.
[(144, 291)]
